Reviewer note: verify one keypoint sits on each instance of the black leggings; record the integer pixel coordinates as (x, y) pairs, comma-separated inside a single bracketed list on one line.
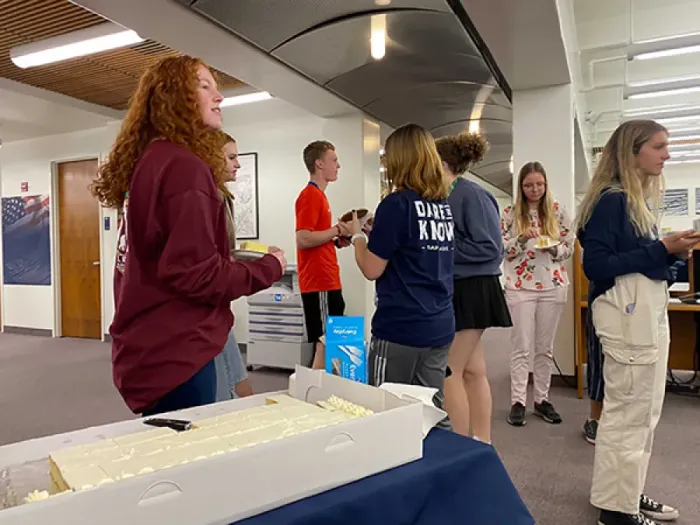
[(198, 390)]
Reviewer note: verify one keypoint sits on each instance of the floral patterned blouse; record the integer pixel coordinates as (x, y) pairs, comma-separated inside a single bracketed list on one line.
[(527, 268)]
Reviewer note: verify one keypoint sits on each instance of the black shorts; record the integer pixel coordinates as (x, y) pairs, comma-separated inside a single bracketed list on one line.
[(317, 307), (479, 303)]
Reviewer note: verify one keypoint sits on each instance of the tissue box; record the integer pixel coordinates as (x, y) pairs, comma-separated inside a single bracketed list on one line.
[(346, 352)]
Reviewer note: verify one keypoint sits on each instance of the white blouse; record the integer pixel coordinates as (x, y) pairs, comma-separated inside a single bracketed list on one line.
[(528, 268)]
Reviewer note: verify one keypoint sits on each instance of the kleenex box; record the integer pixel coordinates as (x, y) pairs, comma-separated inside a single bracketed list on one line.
[(346, 354)]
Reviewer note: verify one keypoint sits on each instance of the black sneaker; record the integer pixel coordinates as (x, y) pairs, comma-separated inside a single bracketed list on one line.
[(546, 411), (657, 511), (590, 430), (517, 415), (608, 517)]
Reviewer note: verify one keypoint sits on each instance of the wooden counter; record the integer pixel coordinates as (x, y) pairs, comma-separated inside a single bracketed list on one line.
[(681, 318)]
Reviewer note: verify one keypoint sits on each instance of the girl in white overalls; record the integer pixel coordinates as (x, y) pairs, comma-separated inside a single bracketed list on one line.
[(628, 269)]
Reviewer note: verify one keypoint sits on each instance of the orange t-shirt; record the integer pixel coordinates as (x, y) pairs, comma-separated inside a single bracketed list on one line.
[(318, 267)]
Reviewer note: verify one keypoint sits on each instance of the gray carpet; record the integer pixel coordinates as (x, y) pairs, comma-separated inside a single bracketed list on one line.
[(57, 385)]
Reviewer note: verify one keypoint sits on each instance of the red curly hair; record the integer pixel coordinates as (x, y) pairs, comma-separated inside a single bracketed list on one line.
[(165, 106)]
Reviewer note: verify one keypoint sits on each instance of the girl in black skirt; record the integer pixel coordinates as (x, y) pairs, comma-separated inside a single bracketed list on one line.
[(478, 298)]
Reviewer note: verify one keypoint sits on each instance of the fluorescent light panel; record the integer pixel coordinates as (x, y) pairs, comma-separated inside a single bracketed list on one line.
[(665, 92), (689, 161), (661, 81), (686, 50), (666, 38), (245, 99), (674, 139), (103, 37), (655, 110), (684, 118)]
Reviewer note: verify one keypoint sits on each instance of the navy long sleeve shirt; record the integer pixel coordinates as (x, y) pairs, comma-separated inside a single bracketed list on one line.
[(612, 248), (478, 241)]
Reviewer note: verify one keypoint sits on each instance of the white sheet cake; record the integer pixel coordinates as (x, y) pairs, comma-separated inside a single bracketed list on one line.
[(108, 461)]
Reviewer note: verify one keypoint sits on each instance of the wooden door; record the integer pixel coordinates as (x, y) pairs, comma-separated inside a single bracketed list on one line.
[(79, 244)]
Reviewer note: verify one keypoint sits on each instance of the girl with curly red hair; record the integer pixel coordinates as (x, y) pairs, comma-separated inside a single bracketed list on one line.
[(174, 279)]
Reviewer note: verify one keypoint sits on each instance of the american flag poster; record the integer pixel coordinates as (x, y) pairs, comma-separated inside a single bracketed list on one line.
[(26, 240)]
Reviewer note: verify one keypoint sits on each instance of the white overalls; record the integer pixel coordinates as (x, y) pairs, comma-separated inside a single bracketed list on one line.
[(632, 323)]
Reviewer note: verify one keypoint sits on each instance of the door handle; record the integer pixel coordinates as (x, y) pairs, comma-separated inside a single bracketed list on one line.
[(95, 263)]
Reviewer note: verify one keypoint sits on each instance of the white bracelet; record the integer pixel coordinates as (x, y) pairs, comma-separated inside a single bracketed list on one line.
[(358, 236)]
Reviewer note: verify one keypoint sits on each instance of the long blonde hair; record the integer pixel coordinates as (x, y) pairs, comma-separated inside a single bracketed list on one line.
[(545, 208), (412, 163), (617, 171)]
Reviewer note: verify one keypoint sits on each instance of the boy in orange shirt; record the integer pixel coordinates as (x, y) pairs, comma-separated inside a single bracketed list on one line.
[(317, 239)]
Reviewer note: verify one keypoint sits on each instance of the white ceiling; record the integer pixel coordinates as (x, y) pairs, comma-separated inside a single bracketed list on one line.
[(611, 31), (524, 38), (27, 112)]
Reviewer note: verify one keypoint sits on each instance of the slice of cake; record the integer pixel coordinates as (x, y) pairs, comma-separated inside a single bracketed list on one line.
[(253, 246), (543, 242)]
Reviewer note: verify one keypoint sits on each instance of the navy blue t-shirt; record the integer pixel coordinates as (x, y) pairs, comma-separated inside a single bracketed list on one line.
[(414, 294)]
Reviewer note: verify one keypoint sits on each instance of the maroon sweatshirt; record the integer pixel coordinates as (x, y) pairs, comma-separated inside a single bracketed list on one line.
[(174, 279)]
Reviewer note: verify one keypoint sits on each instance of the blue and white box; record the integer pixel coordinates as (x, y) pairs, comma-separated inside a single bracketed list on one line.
[(346, 352)]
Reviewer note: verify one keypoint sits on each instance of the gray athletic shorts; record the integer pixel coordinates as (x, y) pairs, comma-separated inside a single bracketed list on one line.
[(394, 363)]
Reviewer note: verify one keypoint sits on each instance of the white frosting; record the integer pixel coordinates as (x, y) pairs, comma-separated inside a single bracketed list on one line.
[(111, 460), (36, 495)]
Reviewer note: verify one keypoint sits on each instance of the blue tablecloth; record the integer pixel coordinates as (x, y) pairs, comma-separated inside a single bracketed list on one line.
[(458, 481)]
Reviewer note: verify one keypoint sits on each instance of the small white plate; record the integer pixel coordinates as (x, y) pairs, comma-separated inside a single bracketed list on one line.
[(551, 245), (247, 255)]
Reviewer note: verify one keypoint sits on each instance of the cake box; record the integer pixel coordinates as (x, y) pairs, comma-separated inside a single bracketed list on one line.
[(212, 491), (346, 351)]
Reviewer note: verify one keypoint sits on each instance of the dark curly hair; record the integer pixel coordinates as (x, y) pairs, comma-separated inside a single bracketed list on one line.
[(164, 105), (462, 151)]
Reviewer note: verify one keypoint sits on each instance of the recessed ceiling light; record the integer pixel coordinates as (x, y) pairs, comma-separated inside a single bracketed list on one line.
[(377, 39), (382, 3)]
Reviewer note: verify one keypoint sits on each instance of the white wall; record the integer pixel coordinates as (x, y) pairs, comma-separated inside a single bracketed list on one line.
[(32, 161)]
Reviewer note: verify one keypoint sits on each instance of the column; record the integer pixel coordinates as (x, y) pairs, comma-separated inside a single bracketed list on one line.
[(543, 130)]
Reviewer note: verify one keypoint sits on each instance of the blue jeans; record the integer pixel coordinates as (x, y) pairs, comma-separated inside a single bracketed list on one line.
[(229, 369), (198, 390)]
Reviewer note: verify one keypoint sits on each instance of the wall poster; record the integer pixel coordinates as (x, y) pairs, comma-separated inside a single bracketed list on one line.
[(245, 190), (26, 240), (676, 202)]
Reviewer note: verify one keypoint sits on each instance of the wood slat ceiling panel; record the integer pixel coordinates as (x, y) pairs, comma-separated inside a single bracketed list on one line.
[(107, 79)]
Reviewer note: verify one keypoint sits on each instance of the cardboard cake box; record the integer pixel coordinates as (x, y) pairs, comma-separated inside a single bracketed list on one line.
[(227, 488)]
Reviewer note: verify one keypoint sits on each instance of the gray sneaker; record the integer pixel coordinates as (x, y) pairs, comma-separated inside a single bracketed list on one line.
[(517, 415), (590, 430)]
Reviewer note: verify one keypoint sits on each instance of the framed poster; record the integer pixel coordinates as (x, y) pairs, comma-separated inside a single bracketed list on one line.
[(245, 190), (697, 201), (676, 202)]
